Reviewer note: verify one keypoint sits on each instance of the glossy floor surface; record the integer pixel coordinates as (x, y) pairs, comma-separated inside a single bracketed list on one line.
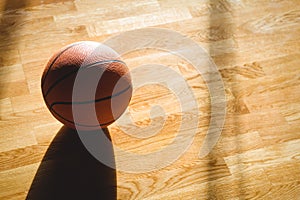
[(255, 46)]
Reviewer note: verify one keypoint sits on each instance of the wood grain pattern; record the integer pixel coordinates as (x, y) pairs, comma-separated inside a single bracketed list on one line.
[(256, 47)]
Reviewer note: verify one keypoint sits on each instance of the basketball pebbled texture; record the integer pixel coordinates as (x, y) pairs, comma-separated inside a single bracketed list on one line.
[(103, 84)]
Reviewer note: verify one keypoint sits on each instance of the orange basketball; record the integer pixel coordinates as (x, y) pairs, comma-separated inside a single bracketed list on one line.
[(86, 86)]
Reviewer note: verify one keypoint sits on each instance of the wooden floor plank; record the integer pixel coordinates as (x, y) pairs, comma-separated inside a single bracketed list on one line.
[(255, 46)]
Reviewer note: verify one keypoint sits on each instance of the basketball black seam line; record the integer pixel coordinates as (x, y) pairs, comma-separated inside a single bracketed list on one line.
[(43, 80), (84, 124), (91, 101), (72, 72)]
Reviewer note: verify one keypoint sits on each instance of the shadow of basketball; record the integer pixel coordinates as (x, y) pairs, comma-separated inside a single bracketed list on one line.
[(69, 171)]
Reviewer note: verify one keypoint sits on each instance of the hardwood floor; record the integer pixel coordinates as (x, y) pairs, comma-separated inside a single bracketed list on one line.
[(256, 48)]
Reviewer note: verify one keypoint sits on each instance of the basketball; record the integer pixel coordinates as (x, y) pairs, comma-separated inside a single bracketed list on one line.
[(86, 85)]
